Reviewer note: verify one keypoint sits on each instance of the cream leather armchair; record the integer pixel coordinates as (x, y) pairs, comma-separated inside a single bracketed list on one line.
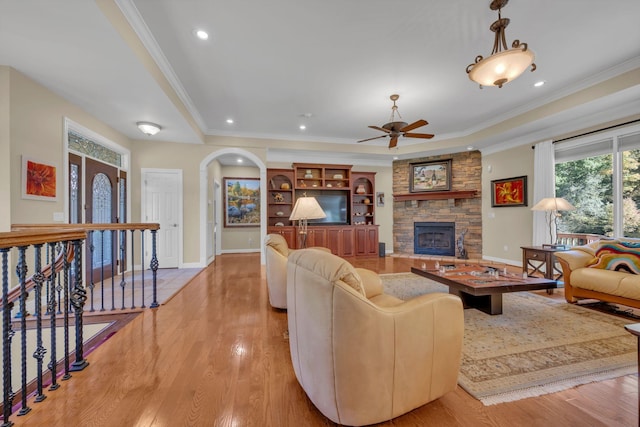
[(276, 253), (362, 356)]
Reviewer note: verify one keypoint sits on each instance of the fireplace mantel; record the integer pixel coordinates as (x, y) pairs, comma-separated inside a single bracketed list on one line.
[(436, 195)]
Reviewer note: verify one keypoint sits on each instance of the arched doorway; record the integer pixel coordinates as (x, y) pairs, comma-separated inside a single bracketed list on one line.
[(205, 179)]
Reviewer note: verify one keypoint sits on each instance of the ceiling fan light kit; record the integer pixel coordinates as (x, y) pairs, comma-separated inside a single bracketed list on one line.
[(504, 65)]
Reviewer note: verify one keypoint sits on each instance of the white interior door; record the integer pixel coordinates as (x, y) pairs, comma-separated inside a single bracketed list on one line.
[(162, 203)]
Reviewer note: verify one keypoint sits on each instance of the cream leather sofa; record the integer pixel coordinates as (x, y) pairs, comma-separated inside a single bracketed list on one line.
[(590, 272), (362, 356), (276, 253)]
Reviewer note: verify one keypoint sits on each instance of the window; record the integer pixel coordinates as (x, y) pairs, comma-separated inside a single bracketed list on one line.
[(600, 176)]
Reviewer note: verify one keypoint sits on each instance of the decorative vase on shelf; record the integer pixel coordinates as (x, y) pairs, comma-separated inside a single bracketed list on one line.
[(308, 174), (285, 186), (360, 189), (366, 201)]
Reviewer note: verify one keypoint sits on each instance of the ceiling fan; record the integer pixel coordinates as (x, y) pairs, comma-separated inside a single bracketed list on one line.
[(395, 129)]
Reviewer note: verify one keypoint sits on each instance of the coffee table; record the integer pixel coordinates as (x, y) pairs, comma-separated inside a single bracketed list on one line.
[(479, 289)]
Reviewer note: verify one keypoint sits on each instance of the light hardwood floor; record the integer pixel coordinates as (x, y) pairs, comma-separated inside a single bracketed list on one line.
[(216, 355)]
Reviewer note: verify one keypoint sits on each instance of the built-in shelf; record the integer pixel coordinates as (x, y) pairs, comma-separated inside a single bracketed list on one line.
[(436, 195)]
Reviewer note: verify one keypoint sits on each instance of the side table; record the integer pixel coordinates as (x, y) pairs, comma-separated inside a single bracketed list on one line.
[(534, 258)]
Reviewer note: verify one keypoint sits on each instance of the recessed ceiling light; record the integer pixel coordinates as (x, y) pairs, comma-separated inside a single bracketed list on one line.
[(395, 157), (239, 160), (302, 127), (202, 34), (230, 121), (469, 147), (540, 83)]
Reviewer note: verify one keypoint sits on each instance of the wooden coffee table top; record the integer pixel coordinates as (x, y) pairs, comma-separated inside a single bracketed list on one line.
[(477, 280)]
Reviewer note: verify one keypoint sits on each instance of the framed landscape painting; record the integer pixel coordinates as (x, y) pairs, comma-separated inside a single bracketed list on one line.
[(241, 202), (509, 192), (430, 176), (38, 180)]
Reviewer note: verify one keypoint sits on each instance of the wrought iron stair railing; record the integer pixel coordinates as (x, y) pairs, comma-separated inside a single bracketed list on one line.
[(42, 265)]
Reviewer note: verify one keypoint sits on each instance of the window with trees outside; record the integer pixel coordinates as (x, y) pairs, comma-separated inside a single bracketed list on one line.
[(600, 176)]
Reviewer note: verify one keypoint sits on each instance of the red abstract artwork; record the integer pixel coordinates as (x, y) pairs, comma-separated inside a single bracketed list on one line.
[(509, 192), (39, 180)]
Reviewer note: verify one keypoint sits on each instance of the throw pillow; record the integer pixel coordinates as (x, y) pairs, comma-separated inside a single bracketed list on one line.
[(618, 256)]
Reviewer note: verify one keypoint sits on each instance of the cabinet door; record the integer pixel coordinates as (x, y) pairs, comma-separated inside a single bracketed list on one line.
[(341, 240), (289, 234), (348, 241), (372, 240), (334, 240), (317, 236)]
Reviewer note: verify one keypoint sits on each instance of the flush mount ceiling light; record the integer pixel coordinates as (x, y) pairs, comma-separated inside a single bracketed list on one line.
[(149, 128), (503, 65)]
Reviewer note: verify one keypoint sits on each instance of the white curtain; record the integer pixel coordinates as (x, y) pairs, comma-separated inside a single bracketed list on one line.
[(544, 185)]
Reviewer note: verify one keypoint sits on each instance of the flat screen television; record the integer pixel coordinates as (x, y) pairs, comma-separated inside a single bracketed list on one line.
[(335, 205)]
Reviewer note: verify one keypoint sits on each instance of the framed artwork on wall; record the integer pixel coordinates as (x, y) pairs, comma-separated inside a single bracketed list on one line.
[(430, 176), (241, 202), (38, 180), (509, 192)]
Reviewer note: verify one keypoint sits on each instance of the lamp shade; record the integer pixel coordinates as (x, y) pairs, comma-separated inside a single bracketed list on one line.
[(149, 128), (501, 67), (307, 208), (553, 204)]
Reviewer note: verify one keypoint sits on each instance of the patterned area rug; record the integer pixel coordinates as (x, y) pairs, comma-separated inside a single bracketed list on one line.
[(537, 346)]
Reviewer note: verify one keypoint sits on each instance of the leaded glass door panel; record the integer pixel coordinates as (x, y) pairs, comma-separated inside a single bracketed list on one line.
[(101, 208)]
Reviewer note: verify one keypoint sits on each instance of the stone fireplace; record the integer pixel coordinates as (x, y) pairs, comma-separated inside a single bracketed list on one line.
[(434, 238), (464, 212)]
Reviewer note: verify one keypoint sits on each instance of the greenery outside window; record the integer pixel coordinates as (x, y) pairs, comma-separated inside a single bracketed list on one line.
[(600, 176)]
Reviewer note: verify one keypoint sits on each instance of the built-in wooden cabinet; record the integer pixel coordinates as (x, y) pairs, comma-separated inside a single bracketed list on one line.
[(354, 235), (341, 240), (280, 198), (313, 175), (363, 198), (366, 240)]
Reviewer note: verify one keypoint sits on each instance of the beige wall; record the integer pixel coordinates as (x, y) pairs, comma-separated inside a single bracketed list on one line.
[(37, 130), (506, 229), (188, 157), (5, 151)]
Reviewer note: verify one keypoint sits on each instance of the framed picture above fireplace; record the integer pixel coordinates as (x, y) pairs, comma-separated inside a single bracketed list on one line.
[(430, 176), (509, 192)]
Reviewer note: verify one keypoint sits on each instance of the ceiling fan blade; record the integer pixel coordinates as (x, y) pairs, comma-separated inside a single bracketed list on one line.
[(393, 142), (414, 125), (419, 135), (376, 137), (379, 128)]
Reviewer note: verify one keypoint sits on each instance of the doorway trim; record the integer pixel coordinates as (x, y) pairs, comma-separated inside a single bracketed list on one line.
[(68, 125), (204, 181)]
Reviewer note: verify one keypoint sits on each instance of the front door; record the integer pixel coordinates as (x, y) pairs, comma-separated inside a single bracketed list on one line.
[(101, 191)]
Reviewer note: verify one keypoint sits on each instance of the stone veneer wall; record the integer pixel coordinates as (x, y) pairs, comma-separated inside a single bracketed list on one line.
[(465, 213)]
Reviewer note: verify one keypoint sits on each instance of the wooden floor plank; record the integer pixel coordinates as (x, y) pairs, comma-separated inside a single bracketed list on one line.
[(217, 355)]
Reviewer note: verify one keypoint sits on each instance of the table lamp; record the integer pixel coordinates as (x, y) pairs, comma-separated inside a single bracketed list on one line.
[(306, 208), (552, 205)]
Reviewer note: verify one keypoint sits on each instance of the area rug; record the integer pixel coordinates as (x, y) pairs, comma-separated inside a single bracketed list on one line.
[(537, 346)]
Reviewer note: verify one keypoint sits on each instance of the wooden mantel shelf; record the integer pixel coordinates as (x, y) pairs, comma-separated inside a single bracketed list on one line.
[(436, 195)]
